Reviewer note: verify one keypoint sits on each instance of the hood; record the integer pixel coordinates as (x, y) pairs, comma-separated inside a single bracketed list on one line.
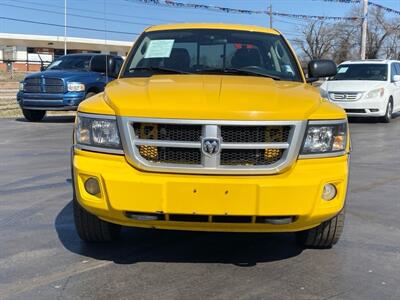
[(62, 74), (351, 85), (212, 97)]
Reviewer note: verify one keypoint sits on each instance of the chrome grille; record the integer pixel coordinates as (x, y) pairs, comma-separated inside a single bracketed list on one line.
[(170, 155), (255, 134), (345, 96), (239, 147), (256, 157), (168, 132), (43, 85)]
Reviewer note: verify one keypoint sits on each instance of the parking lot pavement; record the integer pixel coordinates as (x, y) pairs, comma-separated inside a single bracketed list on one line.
[(41, 256)]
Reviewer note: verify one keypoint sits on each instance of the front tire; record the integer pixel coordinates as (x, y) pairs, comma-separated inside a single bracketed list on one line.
[(92, 229), (389, 112), (33, 115), (323, 236)]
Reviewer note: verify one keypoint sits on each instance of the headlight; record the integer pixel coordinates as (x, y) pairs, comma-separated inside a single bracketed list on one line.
[(21, 86), (76, 87), (97, 131), (325, 138), (324, 93), (375, 93)]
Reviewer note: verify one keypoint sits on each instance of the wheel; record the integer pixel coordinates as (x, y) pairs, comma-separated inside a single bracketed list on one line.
[(33, 115), (91, 229), (325, 235), (389, 111), (90, 94)]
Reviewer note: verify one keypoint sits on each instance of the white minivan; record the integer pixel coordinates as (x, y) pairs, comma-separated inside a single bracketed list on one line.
[(367, 88)]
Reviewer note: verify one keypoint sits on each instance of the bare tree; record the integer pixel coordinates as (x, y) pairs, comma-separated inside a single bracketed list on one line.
[(345, 39), (318, 40), (341, 41), (380, 32)]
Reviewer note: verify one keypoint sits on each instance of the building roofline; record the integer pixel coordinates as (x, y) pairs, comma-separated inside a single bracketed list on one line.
[(53, 38)]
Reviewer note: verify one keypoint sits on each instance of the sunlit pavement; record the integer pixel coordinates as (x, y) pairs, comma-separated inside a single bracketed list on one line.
[(41, 256)]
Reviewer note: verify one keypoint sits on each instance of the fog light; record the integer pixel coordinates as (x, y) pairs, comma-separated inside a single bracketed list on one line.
[(329, 192), (92, 186)]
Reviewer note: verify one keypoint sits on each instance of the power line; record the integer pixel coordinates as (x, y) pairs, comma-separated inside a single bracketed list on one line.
[(74, 15), (176, 4), (388, 9), (277, 19), (95, 11), (68, 26)]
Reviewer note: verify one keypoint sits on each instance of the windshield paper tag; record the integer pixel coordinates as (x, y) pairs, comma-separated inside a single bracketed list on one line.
[(343, 70), (159, 49)]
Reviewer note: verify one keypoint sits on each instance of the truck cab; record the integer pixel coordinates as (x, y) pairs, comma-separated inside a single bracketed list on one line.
[(65, 83)]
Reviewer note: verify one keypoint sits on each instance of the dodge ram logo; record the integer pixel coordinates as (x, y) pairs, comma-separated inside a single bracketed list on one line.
[(210, 146)]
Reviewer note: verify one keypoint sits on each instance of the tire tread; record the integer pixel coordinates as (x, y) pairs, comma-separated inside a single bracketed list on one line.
[(92, 229), (325, 235)]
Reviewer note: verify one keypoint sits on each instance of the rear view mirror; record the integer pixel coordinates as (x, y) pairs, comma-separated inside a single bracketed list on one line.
[(103, 64), (321, 68)]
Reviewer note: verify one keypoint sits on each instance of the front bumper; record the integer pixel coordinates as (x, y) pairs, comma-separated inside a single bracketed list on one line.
[(297, 193), (36, 101), (364, 108)]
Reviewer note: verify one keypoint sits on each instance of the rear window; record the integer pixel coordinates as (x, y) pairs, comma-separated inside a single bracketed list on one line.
[(73, 62)]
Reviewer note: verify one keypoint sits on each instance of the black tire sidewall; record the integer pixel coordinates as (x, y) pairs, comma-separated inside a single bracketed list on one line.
[(387, 118), (33, 115)]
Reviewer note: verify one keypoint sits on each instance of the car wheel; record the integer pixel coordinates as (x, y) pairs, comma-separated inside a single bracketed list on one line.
[(92, 229), (33, 115), (325, 235), (90, 94), (389, 112)]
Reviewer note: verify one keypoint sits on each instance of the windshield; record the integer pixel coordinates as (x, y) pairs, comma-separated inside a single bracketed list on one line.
[(199, 51), (76, 62), (377, 72)]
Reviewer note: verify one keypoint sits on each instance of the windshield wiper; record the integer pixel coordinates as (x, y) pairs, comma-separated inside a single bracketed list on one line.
[(159, 69), (238, 71)]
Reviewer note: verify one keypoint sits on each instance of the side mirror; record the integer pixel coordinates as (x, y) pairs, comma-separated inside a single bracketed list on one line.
[(103, 64), (321, 68), (43, 68), (396, 78)]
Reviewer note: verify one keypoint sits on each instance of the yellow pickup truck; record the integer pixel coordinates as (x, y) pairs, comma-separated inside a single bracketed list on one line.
[(212, 127)]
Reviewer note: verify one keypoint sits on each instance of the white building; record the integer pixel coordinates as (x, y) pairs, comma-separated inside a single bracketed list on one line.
[(26, 51)]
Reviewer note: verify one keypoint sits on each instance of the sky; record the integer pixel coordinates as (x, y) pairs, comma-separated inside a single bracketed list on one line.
[(131, 17)]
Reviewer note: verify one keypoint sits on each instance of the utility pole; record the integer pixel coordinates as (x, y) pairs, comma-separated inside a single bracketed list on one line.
[(270, 14), (364, 29), (65, 27)]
